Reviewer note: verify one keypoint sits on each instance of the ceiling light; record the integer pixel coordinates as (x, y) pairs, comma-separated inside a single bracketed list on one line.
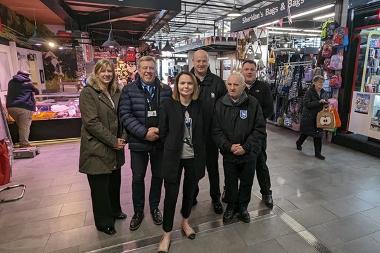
[(283, 29), (268, 24), (51, 44), (305, 34), (312, 11), (110, 42), (167, 47), (312, 31), (197, 32), (330, 15), (35, 39), (222, 58), (275, 32), (234, 12)]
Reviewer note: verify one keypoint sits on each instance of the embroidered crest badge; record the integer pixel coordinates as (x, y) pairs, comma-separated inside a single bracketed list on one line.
[(243, 114)]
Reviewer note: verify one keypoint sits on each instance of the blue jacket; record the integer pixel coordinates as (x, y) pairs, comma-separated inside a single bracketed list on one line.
[(133, 113), (20, 92)]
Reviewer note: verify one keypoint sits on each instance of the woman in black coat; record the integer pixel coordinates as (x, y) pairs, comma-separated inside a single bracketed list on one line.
[(181, 128), (314, 100)]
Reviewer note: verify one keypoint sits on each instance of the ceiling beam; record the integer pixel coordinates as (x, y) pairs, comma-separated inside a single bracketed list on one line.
[(172, 5), (62, 10)]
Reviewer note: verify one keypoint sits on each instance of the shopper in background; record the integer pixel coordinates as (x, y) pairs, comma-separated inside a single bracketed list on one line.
[(212, 88), (139, 112), (181, 128), (239, 131), (314, 100), (102, 145), (261, 91), (21, 104)]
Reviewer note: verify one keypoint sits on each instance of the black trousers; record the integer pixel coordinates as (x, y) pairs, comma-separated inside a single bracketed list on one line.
[(139, 163), (262, 171), (105, 196), (238, 195), (212, 156), (190, 182), (317, 143)]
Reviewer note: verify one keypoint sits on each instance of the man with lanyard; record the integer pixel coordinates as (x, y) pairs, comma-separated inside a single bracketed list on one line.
[(212, 88), (138, 109), (261, 91)]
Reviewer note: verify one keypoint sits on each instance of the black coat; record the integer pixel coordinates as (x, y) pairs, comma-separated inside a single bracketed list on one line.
[(311, 107), (261, 91), (133, 113), (172, 130), (210, 90), (239, 123)]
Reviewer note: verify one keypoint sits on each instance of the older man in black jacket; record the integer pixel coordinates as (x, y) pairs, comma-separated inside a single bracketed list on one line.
[(139, 112), (261, 91), (211, 88), (239, 131)]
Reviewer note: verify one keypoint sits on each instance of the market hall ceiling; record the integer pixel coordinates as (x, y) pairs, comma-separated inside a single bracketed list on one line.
[(131, 19)]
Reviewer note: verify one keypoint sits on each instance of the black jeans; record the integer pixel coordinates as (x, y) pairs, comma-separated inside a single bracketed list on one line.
[(317, 143), (105, 196), (262, 171), (171, 193), (239, 196), (139, 163), (212, 156)]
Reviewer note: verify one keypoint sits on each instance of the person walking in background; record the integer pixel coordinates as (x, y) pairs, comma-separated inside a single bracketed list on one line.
[(211, 88), (181, 128), (102, 145), (140, 103), (261, 91), (21, 104), (239, 131), (314, 100)]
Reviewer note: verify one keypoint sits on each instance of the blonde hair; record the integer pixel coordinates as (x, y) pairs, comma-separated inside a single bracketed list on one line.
[(101, 65), (176, 95)]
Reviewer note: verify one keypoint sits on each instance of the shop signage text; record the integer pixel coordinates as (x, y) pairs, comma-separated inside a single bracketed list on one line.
[(273, 12)]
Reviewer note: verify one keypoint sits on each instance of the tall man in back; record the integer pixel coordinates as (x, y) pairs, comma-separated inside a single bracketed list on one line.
[(261, 91), (211, 89), (139, 112)]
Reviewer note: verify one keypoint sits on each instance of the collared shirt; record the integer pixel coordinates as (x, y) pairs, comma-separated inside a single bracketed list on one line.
[(149, 88)]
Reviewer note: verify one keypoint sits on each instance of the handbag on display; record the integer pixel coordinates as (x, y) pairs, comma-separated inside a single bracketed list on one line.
[(272, 57), (336, 62), (325, 119), (327, 49), (308, 77), (335, 81)]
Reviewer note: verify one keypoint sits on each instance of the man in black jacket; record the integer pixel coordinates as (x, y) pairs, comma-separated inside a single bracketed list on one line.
[(261, 91), (139, 108), (212, 88), (239, 131)]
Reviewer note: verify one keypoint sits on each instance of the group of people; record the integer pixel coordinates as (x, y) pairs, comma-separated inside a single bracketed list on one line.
[(176, 130)]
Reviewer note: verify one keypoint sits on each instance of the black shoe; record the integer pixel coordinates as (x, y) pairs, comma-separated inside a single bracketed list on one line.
[(244, 216), (299, 147), (157, 216), (136, 221), (228, 215), (224, 195), (121, 216), (268, 200), (195, 202), (319, 156), (218, 208), (108, 230)]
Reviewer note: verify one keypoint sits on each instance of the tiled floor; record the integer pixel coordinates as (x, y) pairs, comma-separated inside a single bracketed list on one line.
[(333, 203)]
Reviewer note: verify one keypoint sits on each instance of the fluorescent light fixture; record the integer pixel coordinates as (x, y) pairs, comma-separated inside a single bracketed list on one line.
[(234, 13), (268, 24), (222, 58), (312, 31), (284, 29), (312, 11), (305, 34), (275, 32), (197, 32), (330, 15), (51, 44)]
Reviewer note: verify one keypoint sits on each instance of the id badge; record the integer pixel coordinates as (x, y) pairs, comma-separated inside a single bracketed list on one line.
[(152, 114)]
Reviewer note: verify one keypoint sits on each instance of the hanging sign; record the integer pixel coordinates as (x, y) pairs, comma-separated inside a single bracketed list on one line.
[(275, 11)]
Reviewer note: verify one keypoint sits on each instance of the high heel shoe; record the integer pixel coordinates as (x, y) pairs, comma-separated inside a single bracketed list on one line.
[(191, 235), (167, 250)]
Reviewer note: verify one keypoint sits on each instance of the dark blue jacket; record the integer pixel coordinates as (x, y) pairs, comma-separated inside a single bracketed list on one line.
[(133, 113), (20, 93)]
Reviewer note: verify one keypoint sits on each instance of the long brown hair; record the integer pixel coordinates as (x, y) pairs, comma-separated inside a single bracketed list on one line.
[(195, 83), (101, 65)]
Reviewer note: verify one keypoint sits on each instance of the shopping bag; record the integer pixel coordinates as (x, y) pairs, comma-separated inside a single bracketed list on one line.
[(338, 122), (5, 169), (325, 119)]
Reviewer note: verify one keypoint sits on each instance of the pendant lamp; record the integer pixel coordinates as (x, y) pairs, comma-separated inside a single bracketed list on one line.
[(167, 47), (110, 42), (234, 13), (35, 39)]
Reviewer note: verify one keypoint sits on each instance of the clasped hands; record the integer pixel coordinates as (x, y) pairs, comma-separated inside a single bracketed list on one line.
[(237, 149), (152, 134)]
